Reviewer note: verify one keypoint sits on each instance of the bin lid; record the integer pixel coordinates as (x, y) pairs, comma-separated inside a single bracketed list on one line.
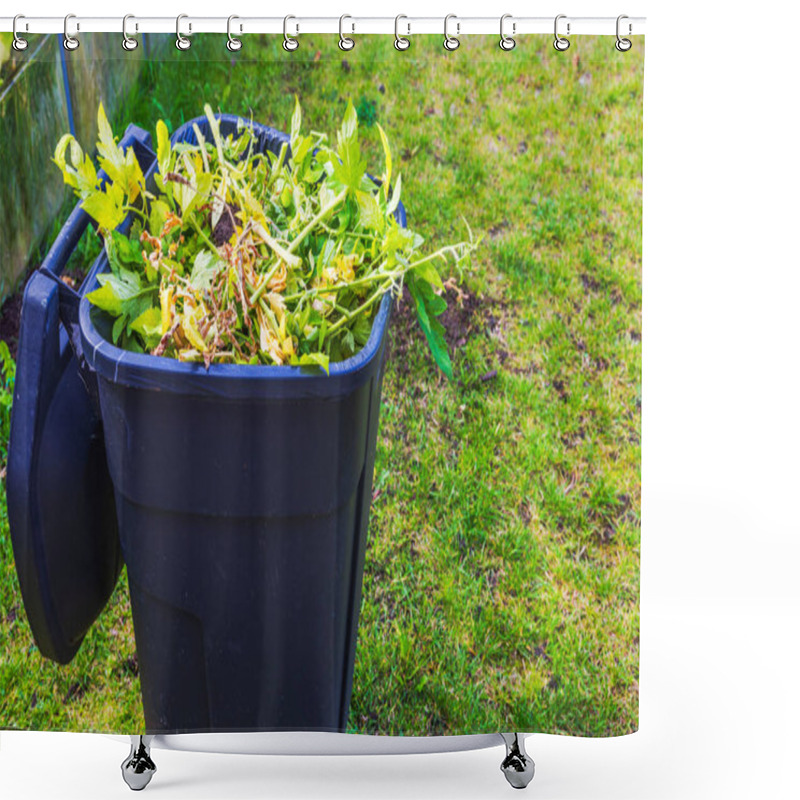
[(61, 509)]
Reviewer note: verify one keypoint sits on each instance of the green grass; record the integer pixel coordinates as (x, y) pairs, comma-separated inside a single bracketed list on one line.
[(502, 572)]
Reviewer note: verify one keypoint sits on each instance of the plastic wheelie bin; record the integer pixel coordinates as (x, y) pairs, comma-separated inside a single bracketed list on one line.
[(242, 498)]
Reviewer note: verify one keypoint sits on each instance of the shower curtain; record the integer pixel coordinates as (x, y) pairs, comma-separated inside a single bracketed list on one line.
[(433, 529)]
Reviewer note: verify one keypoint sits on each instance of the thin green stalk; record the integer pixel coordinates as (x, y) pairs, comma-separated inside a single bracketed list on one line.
[(135, 211), (267, 278), (365, 281), (205, 238), (365, 305), (323, 212)]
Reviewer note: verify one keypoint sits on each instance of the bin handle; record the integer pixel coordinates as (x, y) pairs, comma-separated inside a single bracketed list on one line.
[(68, 304), (63, 247)]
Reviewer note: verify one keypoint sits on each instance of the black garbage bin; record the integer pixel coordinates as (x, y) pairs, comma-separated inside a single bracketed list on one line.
[(242, 501)]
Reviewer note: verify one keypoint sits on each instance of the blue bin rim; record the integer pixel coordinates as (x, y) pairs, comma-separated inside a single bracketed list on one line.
[(143, 370)]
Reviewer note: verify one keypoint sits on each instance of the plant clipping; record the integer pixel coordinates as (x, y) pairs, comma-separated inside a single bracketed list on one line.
[(244, 257)]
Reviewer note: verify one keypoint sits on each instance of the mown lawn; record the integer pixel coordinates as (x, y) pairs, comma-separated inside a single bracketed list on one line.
[(502, 579)]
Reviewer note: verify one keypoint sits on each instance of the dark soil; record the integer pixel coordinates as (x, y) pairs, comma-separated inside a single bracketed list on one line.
[(73, 275), (461, 320), (225, 228), (9, 321)]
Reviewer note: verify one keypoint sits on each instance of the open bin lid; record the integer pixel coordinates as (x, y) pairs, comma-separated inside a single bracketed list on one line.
[(61, 508)]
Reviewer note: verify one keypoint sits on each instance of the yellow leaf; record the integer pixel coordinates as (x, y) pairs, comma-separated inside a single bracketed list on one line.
[(166, 309), (60, 159), (164, 150), (388, 153), (189, 325), (106, 207), (147, 323)]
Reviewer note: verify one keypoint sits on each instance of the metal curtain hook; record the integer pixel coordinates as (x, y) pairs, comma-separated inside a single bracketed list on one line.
[(623, 45), (560, 43), (181, 42), (451, 42), (128, 43), (290, 43), (233, 44), (70, 42), (19, 43), (400, 42), (507, 42), (345, 42)]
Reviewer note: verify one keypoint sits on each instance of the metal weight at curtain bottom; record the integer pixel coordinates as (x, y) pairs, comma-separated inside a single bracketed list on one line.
[(517, 766), (138, 768)]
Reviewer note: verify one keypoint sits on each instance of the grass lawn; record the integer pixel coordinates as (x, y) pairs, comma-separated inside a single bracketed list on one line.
[(501, 584)]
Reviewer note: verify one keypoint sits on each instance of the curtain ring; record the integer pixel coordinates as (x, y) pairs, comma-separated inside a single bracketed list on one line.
[(623, 45), (128, 42), (400, 42), (507, 42), (290, 43), (181, 42), (345, 42), (450, 42), (233, 43), (19, 43), (70, 42), (560, 43)]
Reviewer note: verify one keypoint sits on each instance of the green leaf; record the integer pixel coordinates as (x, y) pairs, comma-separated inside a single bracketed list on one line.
[(201, 145), (158, 216), (350, 169), (196, 193), (362, 329), (348, 131), (319, 359), (297, 119), (391, 207), (205, 269), (138, 303), (213, 123), (123, 253), (110, 156), (428, 273), (370, 215), (125, 285), (148, 323), (105, 299), (119, 327), (431, 327), (301, 150), (122, 296)]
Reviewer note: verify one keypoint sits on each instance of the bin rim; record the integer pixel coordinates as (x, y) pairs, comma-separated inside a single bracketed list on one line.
[(148, 371)]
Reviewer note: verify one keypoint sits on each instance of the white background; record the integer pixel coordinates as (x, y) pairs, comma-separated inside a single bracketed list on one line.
[(720, 701)]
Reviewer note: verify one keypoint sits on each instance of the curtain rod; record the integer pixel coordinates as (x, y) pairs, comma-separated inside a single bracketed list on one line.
[(407, 26)]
